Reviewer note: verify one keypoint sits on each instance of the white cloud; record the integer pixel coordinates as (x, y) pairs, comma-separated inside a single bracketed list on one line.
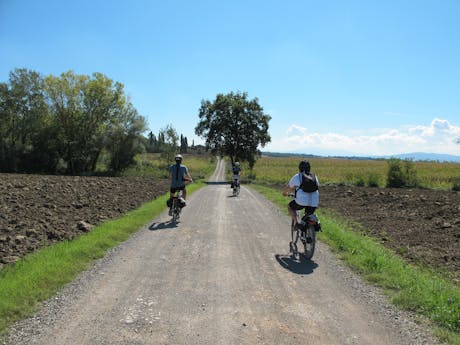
[(438, 137), (296, 130)]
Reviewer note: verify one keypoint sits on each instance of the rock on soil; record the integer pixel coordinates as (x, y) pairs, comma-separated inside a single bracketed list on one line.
[(37, 210)]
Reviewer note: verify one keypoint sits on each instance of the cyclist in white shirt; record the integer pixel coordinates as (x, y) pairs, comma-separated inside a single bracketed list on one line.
[(303, 200)]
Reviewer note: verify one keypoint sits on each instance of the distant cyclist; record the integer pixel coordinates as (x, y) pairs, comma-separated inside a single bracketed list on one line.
[(305, 186), (178, 174), (236, 170)]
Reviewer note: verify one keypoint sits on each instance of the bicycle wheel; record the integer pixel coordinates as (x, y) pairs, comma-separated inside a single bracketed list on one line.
[(309, 242), (175, 211)]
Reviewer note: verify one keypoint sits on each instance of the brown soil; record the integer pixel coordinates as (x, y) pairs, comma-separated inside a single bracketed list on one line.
[(39, 210), (421, 225)]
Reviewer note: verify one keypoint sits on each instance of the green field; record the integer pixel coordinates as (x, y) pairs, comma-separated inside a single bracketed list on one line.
[(278, 170), (150, 165)]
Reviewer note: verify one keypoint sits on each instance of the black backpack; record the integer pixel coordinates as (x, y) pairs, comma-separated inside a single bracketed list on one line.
[(309, 184)]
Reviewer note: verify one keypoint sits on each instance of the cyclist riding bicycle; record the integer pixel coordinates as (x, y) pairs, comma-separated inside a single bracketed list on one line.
[(178, 174), (305, 187), (236, 170)]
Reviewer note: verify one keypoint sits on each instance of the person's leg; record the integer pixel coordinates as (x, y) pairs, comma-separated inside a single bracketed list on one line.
[(292, 213), (309, 210), (171, 195), (184, 193), (292, 207)]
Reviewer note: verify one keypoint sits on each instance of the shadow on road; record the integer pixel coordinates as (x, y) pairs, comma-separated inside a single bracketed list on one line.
[(302, 266), (163, 226)]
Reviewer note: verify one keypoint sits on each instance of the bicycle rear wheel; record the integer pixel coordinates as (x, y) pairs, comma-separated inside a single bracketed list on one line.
[(175, 210), (309, 242)]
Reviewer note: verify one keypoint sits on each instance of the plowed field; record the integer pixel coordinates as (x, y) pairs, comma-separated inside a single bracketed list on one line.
[(39, 210), (420, 225)]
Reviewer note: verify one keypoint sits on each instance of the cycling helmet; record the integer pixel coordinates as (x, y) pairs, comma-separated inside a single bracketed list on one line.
[(304, 166), (237, 164), (178, 158)]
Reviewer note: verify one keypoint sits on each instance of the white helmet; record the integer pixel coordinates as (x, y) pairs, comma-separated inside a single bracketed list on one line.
[(237, 164), (178, 158)]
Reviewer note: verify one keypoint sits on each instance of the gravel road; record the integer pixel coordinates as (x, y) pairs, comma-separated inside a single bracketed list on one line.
[(223, 275)]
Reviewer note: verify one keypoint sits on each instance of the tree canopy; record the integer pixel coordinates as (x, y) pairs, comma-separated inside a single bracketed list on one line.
[(62, 124), (234, 126)]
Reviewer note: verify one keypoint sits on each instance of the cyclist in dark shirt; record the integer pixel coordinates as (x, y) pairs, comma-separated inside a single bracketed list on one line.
[(178, 174), (236, 170)]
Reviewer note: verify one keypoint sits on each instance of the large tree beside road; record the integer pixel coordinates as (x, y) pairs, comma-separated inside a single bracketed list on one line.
[(234, 126)]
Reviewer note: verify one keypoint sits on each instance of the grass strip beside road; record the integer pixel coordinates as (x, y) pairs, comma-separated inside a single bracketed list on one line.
[(412, 288), (39, 275)]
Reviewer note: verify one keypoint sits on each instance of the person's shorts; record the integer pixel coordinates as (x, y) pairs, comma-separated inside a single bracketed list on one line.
[(175, 189), (296, 207)]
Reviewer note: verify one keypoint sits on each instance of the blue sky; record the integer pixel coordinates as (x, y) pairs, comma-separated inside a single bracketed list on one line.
[(337, 77)]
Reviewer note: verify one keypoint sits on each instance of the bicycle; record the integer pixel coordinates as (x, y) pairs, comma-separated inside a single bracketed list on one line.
[(177, 205), (306, 234), (236, 187)]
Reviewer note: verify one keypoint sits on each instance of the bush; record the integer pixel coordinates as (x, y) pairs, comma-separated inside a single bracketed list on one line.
[(251, 175), (456, 184), (373, 180), (400, 176), (359, 181)]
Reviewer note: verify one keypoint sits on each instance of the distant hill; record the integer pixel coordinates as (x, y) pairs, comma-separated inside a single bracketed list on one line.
[(305, 155), (423, 156), (416, 156), (285, 154)]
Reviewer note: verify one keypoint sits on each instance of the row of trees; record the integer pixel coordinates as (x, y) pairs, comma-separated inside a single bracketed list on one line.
[(156, 144), (63, 124), (70, 123)]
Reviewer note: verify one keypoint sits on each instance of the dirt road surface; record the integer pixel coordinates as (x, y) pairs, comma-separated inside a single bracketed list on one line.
[(223, 275)]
